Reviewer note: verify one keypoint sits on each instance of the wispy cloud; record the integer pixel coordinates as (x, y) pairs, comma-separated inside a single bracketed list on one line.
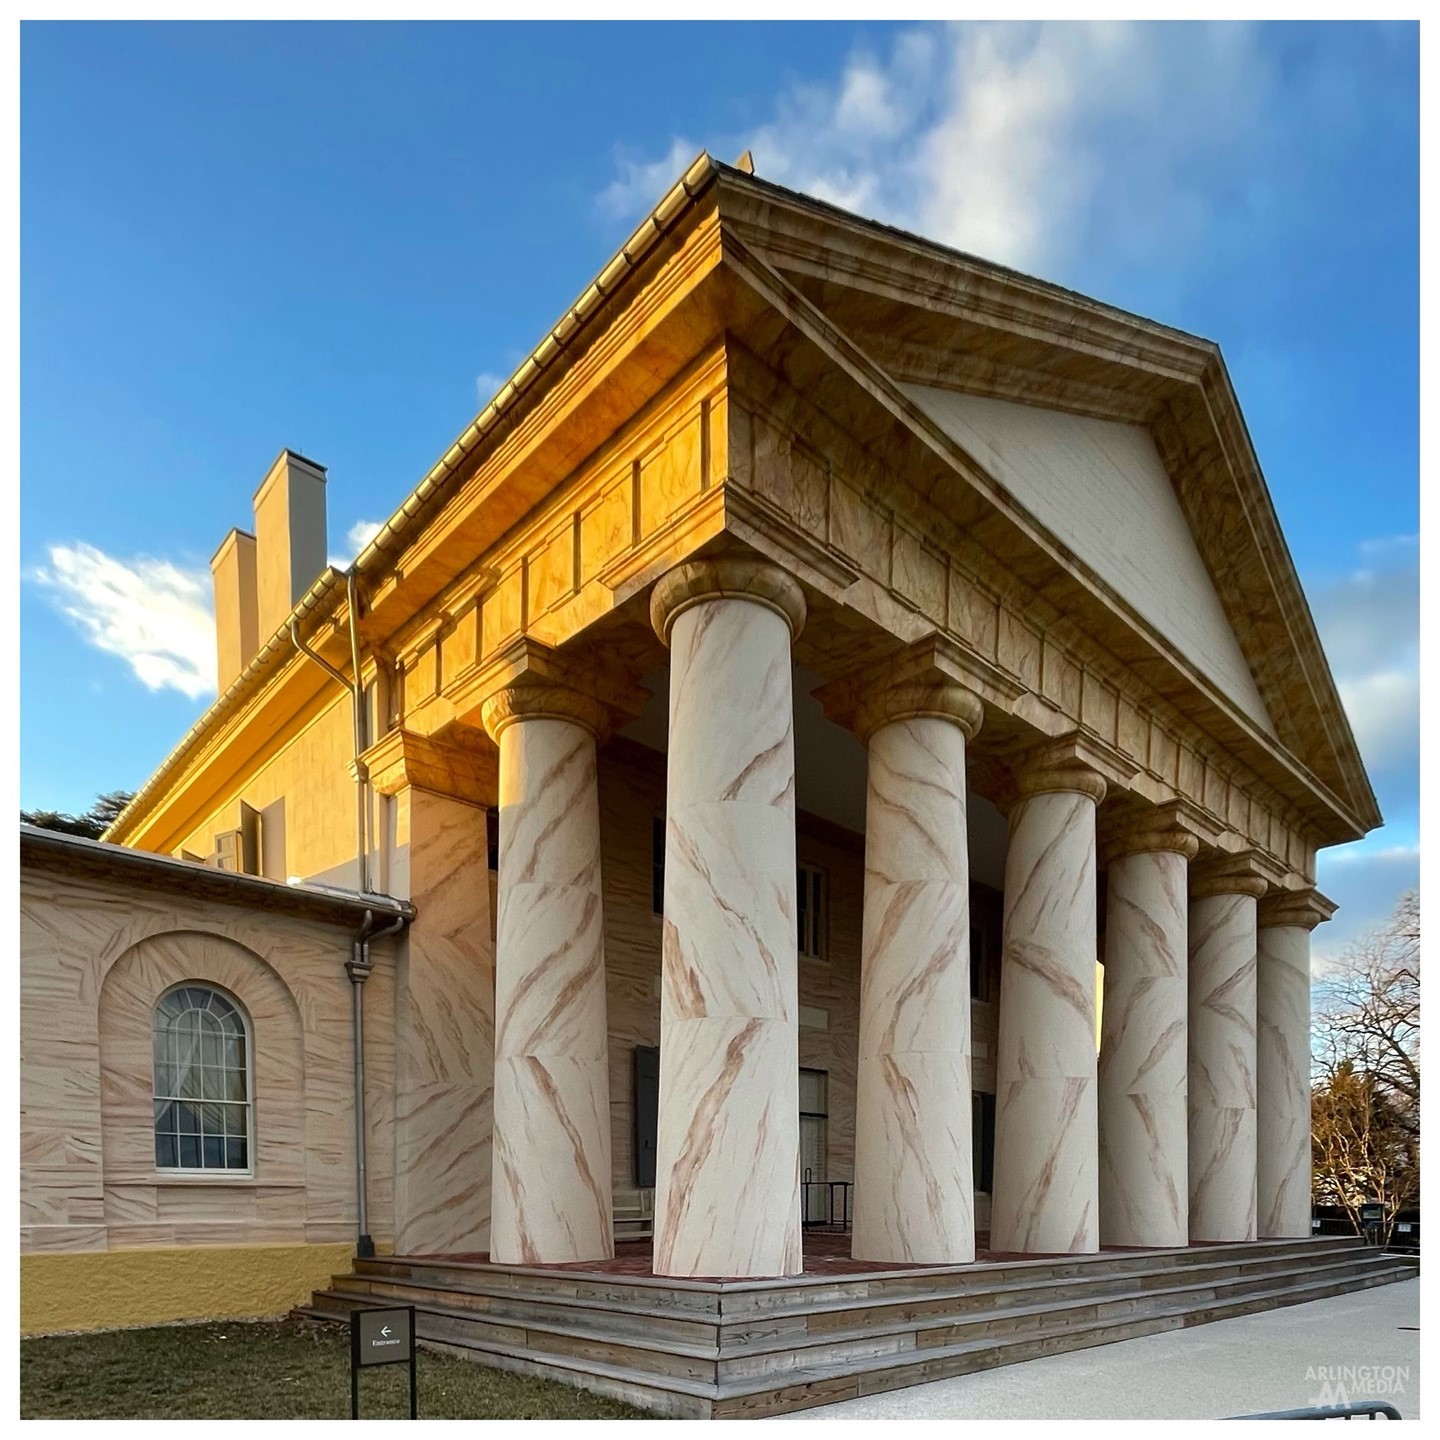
[(1369, 622), (1014, 141), (487, 384), (357, 537), (153, 614)]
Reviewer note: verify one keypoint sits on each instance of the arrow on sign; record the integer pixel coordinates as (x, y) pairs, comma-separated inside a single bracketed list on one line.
[(384, 1329)]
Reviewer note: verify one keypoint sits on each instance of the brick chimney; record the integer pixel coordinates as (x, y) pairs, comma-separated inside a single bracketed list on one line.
[(237, 618), (289, 537)]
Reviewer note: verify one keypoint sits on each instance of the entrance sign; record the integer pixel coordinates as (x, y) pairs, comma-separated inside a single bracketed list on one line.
[(381, 1337)]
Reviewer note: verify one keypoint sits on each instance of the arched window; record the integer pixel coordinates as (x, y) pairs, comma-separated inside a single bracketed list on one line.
[(202, 1081)]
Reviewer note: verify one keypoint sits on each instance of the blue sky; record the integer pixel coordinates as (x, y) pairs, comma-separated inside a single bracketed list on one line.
[(340, 238)]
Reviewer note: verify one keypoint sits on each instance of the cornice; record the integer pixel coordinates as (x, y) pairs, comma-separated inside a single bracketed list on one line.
[(402, 758)]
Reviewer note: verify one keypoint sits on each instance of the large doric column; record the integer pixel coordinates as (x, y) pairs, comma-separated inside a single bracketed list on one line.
[(1282, 1073), (1144, 1192), (914, 1183), (727, 1158), (1045, 1198), (1223, 892), (552, 1199)]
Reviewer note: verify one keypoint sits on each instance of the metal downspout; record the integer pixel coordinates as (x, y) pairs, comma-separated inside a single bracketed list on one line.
[(357, 703), (358, 968)]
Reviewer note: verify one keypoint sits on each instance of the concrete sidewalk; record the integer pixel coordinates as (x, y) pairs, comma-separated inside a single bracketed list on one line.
[(1278, 1360)]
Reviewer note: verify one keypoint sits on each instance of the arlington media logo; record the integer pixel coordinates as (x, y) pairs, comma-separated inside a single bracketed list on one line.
[(1346, 1384)]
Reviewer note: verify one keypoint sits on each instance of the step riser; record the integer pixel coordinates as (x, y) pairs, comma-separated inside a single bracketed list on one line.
[(831, 1389), (795, 1328), (660, 1382), (815, 1351), (522, 1312), (667, 1403), (557, 1287), (484, 1332)]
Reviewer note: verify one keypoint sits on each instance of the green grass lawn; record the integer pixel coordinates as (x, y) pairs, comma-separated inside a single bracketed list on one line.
[(271, 1370)]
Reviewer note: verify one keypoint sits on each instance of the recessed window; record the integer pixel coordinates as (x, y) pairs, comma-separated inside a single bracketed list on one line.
[(657, 865), (202, 1082), (979, 964), (810, 910)]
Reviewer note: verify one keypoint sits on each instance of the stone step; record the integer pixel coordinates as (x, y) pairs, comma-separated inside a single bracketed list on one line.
[(679, 1395), (648, 1294), (964, 1291), (825, 1385), (825, 1348), (785, 1363)]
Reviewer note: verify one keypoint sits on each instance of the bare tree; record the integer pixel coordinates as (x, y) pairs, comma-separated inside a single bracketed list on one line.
[(1366, 1093)]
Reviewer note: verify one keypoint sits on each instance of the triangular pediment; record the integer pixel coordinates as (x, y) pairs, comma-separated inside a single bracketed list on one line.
[(1119, 438), (1100, 487)]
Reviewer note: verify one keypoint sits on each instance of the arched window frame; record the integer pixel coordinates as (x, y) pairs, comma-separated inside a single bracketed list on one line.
[(202, 1171)]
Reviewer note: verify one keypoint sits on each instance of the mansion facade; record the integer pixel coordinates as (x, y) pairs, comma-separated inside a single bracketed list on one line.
[(838, 740)]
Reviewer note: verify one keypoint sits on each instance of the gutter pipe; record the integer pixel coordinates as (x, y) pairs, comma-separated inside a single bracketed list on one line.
[(358, 968), (357, 703)]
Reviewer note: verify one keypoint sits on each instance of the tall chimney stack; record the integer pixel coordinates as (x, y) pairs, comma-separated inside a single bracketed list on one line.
[(289, 536), (237, 619)]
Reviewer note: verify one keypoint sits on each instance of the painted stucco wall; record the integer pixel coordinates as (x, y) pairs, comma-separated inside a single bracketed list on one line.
[(1099, 486)]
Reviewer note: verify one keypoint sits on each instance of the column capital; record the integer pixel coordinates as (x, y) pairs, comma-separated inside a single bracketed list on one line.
[(404, 758), (1077, 763), (1245, 872), (736, 577), (1133, 827), (933, 677), (528, 680), (1302, 909), (913, 699)]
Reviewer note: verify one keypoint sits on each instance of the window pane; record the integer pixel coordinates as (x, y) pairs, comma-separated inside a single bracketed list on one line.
[(164, 1116), (234, 1085), (190, 1152), (235, 1051), (166, 1152), (235, 1154), (187, 1118), (214, 1152)]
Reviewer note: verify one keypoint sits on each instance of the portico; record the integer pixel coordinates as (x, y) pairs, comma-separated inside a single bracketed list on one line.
[(847, 726)]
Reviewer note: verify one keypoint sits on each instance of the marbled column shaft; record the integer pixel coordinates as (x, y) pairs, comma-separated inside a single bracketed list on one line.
[(1144, 1192), (914, 1182), (1283, 1081), (727, 1160), (1045, 1197), (1222, 1066), (552, 1198)]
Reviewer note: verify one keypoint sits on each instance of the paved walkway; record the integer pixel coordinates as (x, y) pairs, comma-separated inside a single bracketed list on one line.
[(1273, 1361)]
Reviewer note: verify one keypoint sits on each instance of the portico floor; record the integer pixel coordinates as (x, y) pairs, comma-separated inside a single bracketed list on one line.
[(825, 1253)]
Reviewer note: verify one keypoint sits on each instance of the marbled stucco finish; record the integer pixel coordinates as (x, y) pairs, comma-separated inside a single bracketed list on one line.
[(1282, 1073), (1222, 1067), (1144, 1193), (1046, 1198), (552, 1200), (914, 1200), (727, 1168)]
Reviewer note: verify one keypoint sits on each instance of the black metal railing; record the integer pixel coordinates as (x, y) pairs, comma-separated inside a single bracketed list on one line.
[(825, 1204)]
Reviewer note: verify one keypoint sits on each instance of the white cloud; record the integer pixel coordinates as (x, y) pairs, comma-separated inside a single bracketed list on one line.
[(641, 183), (1369, 623), (487, 386), (357, 537), (154, 615), (1018, 142)]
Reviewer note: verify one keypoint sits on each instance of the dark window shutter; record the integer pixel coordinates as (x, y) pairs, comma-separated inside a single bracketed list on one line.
[(647, 1113)]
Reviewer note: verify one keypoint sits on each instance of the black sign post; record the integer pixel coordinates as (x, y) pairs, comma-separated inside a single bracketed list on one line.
[(381, 1337)]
